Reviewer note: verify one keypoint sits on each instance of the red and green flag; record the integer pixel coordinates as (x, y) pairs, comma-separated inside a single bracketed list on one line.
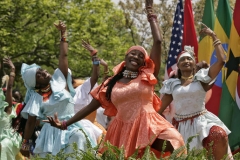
[(229, 111), (189, 32)]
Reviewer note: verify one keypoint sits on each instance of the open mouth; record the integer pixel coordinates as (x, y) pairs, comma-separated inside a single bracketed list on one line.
[(134, 63), (186, 65)]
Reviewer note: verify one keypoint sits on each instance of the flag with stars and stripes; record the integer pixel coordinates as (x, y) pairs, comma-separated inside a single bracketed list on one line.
[(176, 40)]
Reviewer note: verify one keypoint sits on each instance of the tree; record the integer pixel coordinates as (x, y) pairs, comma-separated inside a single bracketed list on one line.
[(28, 34)]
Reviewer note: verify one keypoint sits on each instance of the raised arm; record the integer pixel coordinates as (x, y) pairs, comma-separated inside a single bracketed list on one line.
[(106, 71), (155, 54), (63, 59), (95, 61), (9, 99), (217, 66)]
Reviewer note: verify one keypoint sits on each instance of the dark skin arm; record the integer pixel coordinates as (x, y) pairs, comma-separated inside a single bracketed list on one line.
[(105, 65), (96, 68), (217, 66), (63, 56), (92, 106), (155, 54), (8, 61), (95, 71), (28, 131), (166, 100)]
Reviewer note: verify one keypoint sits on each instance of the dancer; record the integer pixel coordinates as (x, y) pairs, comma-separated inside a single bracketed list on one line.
[(169, 112), (10, 140), (129, 96), (47, 95), (188, 93)]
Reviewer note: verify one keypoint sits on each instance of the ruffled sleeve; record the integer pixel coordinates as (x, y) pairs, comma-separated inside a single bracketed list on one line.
[(147, 72), (99, 94), (202, 75), (33, 106), (156, 102), (58, 84), (169, 85)]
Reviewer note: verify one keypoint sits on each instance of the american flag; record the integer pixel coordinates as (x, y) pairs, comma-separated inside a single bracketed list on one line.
[(176, 40)]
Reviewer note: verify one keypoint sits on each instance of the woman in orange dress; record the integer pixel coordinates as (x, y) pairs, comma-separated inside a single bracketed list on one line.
[(129, 96)]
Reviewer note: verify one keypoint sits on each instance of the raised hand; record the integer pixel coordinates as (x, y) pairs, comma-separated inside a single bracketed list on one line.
[(61, 26), (54, 121), (8, 61), (207, 31), (88, 47), (149, 3)]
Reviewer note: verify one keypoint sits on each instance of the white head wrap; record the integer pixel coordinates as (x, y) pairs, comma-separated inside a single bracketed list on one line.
[(188, 52), (28, 73)]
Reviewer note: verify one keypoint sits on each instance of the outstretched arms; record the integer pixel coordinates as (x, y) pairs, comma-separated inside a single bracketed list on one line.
[(92, 106)]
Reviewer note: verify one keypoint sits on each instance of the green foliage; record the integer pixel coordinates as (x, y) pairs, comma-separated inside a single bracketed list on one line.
[(115, 153), (28, 34)]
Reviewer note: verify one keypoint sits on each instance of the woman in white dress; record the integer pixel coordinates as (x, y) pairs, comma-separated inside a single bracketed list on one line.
[(188, 93)]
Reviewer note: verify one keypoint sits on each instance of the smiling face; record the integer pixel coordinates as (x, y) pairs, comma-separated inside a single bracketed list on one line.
[(42, 78), (134, 60), (186, 63)]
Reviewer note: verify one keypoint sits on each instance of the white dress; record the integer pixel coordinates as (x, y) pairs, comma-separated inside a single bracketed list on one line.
[(52, 140), (83, 97), (190, 101)]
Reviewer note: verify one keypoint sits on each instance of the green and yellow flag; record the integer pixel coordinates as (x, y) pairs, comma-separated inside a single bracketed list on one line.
[(222, 28), (205, 47), (230, 108)]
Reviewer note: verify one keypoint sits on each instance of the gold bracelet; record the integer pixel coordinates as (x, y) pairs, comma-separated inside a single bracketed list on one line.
[(216, 41), (12, 74)]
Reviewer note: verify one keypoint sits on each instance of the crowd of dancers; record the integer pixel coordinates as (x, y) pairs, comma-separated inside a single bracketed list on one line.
[(123, 108)]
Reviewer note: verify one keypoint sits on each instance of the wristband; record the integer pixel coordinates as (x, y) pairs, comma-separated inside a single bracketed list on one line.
[(96, 62), (12, 74), (63, 125), (26, 144), (94, 52), (64, 39)]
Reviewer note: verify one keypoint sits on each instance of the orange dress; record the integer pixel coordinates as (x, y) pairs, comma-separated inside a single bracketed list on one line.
[(137, 123)]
